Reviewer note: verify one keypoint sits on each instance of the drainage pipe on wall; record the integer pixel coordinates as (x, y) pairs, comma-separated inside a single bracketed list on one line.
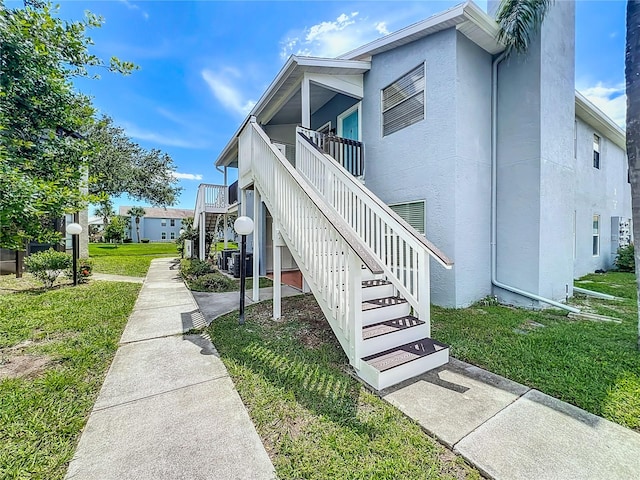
[(494, 197)]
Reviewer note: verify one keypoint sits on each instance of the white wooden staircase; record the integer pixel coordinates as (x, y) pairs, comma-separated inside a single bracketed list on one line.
[(367, 268)]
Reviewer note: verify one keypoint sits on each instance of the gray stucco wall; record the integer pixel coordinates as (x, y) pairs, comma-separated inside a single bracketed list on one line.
[(418, 162), (604, 191), (536, 109), (330, 111), (472, 174)]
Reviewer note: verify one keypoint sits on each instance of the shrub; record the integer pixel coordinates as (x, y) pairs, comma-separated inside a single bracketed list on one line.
[(128, 240), (144, 240), (84, 265), (190, 269), (625, 260), (47, 266), (213, 282)]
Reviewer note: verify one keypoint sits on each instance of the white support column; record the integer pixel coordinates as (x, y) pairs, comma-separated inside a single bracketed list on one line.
[(243, 202), (277, 272), (306, 103), (203, 235), (354, 266), (224, 231), (257, 236)]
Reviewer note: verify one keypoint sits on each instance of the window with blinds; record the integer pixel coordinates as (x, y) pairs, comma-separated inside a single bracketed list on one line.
[(412, 213), (403, 101)]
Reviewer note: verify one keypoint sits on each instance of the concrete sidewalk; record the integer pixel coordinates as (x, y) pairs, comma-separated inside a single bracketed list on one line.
[(511, 432), (168, 408)]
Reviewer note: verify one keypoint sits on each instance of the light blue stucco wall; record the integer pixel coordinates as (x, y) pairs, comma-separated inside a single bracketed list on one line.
[(152, 229), (604, 191), (419, 161)]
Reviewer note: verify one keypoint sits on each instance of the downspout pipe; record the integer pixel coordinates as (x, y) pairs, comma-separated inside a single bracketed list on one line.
[(494, 197)]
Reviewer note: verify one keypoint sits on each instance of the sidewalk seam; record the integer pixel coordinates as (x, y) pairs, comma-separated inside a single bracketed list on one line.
[(453, 446), (101, 409)]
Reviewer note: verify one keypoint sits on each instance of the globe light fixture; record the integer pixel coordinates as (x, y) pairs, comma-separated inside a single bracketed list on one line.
[(243, 227)]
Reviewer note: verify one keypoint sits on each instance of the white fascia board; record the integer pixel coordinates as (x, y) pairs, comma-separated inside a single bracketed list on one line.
[(387, 42), (455, 16), (595, 117)]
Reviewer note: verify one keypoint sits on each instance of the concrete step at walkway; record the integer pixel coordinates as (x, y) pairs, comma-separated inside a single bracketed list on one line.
[(167, 408)]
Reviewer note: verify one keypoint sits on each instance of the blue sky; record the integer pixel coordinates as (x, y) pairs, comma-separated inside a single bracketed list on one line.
[(203, 64)]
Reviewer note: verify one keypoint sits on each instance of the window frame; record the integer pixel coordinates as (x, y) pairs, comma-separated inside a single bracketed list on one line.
[(595, 235), (163, 235), (424, 99), (163, 222), (424, 213), (597, 147), (172, 222)]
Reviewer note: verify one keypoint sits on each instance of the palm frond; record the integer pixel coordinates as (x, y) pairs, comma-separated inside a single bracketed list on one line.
[(519, 20)]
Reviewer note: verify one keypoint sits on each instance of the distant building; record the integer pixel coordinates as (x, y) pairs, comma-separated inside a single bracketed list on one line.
[(158, 224)]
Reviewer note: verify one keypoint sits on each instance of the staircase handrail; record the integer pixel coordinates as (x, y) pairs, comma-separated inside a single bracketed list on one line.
[(399, 247), (354, 242), (327, 251)]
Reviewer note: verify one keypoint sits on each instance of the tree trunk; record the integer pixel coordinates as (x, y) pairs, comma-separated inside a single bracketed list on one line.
[(138, 228), (632, 77)]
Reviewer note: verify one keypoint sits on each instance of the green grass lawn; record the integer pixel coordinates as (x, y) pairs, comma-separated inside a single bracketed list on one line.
[(131, 259), (55, 349), (315, 420), (593, 365)]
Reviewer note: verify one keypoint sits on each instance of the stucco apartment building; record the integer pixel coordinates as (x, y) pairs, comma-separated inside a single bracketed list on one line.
[(501, 163), (158, 224)]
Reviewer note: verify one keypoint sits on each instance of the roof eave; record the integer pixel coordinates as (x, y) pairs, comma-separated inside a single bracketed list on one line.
[(596, 118)]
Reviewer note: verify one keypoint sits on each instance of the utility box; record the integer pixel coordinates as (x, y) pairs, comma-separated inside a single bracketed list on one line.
[(621, 234), (248, 262)]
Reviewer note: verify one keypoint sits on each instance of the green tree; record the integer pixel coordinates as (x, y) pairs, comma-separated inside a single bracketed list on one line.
[(116, 230), (137, 213), (41, 155), (632, 79), (118, 165), (105, 211), (519, 20)]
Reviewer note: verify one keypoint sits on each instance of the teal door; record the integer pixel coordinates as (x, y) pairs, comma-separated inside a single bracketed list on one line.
[(350, 126)]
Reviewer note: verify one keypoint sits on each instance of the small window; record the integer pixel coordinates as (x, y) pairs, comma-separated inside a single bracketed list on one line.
[(163, 222), (173, 235), (412, 213), (596, 151), (403, 101), (164, 235), (173, 222), (596, 235)]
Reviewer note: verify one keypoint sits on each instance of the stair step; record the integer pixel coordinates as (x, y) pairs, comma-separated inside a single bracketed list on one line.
[(375, 283), (390, 326), (382, 309), (404, 354), (382, 302)]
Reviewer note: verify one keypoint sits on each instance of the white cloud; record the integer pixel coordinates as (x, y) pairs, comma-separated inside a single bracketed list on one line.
[(612, 100), (161, 139), (132, 6), (223, 85), (381, 28), (332, 38), (186, 176)]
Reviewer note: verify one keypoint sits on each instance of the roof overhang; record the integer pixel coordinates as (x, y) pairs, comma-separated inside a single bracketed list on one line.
[(467, 18), (286, 83), (597, 119)]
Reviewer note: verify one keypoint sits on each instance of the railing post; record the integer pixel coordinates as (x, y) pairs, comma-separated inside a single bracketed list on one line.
[(354, 267), (277, 271), (257, 236), (424, 290)]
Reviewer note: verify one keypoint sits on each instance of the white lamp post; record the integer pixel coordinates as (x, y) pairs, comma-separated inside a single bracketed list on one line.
[(181, 233), (74, 229), (243, 227)]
